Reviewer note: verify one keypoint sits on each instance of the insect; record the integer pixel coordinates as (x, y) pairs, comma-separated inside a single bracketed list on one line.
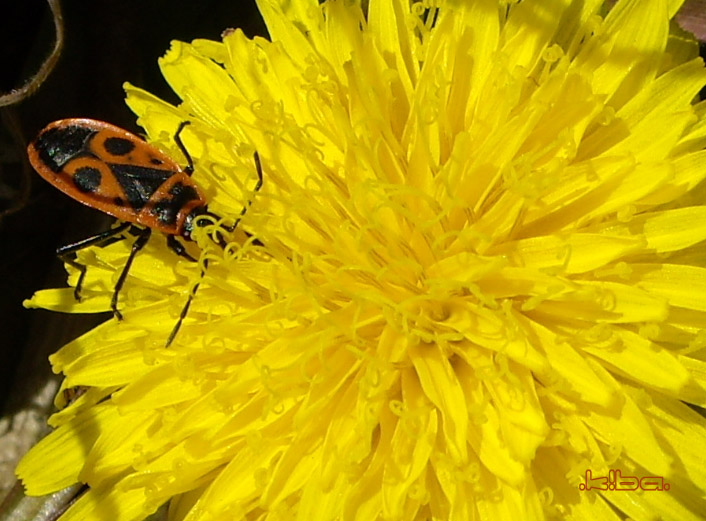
[(116, 172)]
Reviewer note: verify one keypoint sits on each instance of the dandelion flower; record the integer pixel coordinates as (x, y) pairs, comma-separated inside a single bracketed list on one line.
[(474, 276)]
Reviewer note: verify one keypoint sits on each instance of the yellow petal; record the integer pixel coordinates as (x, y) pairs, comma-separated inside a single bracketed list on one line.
[(683, 286), (55, 462), (444, 390)]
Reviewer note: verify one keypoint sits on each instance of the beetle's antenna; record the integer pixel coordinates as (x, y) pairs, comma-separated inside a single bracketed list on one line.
[(220, 240), (258, 185), (185, 309)]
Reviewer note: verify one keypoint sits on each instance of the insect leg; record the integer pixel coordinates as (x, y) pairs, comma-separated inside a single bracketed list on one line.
[(66, 252), (142, 239), (178, 248), (189, 169), (185, 309)]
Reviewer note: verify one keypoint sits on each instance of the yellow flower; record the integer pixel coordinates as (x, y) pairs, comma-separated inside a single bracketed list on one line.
[(479, 280)]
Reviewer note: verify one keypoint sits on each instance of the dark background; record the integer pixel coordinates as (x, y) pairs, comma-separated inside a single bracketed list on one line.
[(106, 43)]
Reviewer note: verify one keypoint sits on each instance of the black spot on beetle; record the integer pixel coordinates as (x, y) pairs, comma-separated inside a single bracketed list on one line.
[(167, 209), (156, 161), (119, 201), (139, 183), (57, 146), (118, 146), (87, 179)]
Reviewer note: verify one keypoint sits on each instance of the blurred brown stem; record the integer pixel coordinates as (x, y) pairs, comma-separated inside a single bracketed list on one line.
[(35, 81)]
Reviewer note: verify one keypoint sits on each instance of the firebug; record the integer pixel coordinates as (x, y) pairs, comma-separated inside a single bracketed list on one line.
[(114, 171)]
